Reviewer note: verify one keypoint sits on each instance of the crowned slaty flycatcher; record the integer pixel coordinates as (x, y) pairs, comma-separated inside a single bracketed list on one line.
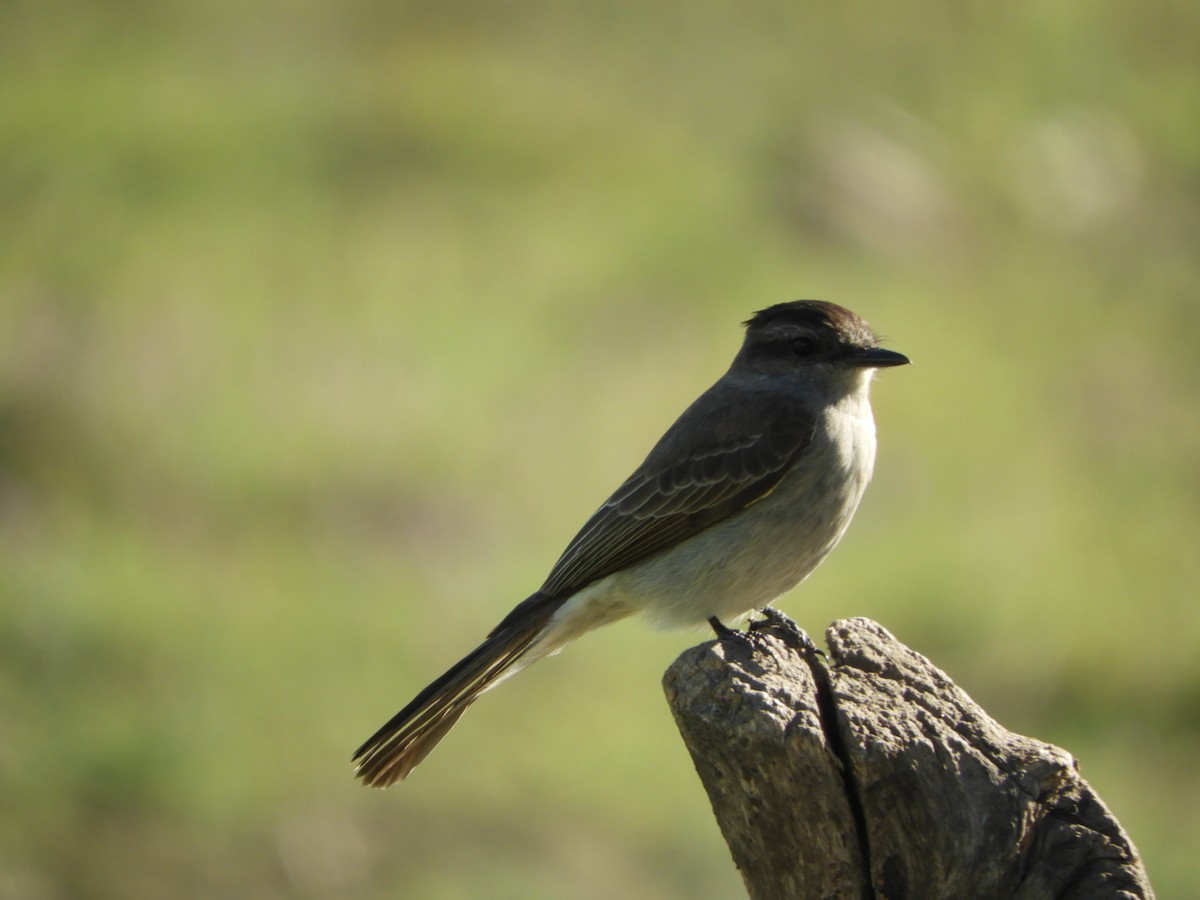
[(737, 503)]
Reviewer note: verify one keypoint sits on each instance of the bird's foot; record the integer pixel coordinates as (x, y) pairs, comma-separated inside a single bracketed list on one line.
[(792, 634), (773, 622), (747, 639)]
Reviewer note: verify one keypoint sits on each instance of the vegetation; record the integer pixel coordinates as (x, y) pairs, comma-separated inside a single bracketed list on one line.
[(323, 326)]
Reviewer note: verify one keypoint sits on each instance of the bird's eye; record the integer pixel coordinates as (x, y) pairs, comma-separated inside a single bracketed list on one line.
[(804, 346)]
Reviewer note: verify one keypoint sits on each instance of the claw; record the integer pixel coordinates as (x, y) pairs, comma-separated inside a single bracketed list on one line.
[(791, 633)]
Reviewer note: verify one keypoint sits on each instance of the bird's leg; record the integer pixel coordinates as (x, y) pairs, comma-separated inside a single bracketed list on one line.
[(722, 630), (725, 633)]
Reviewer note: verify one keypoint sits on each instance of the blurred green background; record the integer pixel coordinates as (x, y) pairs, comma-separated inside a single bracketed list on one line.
[(324, 325)]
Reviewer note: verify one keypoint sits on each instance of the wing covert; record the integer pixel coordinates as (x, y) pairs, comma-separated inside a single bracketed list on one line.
[(678, 492)]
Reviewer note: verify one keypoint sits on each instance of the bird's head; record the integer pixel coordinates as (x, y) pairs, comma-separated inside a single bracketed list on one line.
[(813, 339)]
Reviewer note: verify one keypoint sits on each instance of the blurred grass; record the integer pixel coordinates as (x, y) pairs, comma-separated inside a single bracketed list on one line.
[(322, 326)]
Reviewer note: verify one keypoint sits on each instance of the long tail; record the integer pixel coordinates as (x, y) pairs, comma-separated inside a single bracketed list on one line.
[(392, 752)]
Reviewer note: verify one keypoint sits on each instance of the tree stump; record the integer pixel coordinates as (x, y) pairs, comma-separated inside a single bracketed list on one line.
[(869, 774)]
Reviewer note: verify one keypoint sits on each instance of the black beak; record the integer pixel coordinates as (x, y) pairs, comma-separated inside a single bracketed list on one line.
[(876, 358)]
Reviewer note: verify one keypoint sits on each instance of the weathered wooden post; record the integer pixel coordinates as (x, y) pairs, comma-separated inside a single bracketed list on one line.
[(869, 774)]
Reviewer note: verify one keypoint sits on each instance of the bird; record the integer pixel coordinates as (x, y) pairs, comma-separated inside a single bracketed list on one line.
[(738, 502)]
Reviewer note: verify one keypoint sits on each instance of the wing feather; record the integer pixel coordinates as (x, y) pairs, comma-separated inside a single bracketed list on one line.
[(693, 479)]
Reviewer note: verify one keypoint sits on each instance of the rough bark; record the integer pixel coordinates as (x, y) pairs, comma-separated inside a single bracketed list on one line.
[(869, 774)]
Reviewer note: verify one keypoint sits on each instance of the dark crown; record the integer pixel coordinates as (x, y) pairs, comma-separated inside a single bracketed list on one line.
[(849, 328)]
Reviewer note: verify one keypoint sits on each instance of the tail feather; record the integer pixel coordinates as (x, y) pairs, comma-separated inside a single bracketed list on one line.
[(392, 752)]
